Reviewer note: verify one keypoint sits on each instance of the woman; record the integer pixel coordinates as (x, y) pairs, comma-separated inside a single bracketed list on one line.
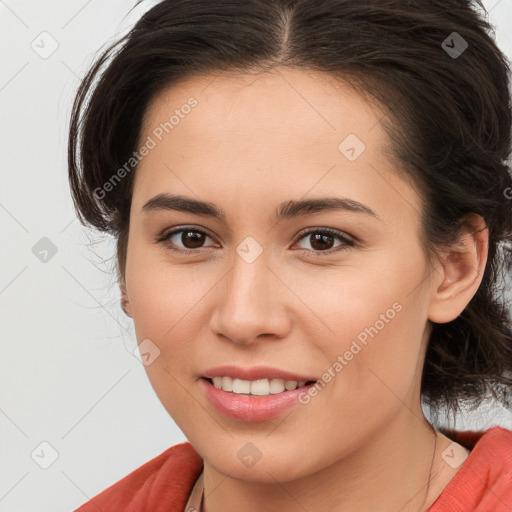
[(313, 218)]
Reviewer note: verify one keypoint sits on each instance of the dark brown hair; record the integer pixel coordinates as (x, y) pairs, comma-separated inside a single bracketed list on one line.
[(449, 122)]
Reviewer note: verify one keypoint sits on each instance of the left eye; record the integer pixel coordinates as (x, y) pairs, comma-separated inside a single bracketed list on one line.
[(193, 239), (319, 238)]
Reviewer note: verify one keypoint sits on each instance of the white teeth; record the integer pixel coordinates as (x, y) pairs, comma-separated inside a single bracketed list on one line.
[(227, 383), (290, 384), (276, 386), (241, 386), (260, 387)]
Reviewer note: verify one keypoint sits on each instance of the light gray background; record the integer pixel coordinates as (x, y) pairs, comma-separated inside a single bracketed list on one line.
[(67, 373)]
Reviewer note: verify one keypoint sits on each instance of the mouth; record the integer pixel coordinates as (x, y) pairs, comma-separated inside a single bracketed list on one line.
[(253, 401), (258, 387)]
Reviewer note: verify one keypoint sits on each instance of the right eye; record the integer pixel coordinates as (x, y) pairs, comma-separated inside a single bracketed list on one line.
[(190, 236)]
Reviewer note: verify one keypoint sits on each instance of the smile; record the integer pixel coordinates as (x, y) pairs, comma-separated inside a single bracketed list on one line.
[(260, 387), (248, 407)]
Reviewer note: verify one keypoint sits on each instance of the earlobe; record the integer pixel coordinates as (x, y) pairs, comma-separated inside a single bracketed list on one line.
[(125, 303), (462, 271)]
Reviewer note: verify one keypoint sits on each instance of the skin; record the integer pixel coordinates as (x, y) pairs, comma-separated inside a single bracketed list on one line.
[(252, 143)]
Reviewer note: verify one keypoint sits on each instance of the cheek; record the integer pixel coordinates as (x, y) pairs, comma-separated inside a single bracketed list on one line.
[(163, 309), (165, 302), (371, 373), (167, 308), (163, 295), (390, 348), (372, 330)]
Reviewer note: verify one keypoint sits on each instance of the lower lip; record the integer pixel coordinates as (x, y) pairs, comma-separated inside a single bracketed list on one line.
[(252, 407)]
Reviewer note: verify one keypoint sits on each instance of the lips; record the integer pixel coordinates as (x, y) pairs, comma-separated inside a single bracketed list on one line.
[(250, 408), (256, 373), (242, 403)]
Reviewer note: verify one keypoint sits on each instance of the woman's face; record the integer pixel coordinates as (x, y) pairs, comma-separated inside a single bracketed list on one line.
[(256, 292)]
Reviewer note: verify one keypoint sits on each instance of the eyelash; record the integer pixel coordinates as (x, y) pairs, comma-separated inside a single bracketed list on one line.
[(336, 234)]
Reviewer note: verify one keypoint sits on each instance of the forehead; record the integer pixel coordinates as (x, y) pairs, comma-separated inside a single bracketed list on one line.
[(240, 103), (285, 133)]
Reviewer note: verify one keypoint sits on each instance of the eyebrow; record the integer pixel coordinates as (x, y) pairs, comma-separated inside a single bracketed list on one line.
[(287, 210)]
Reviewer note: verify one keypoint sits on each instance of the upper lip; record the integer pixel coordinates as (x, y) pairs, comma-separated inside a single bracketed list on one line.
[(255, 373)]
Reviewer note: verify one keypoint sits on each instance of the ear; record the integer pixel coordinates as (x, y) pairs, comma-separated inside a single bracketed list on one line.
[(462, 271), (125, 303)]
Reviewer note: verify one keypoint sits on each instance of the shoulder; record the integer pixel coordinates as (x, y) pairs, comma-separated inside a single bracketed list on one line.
[(484, 480), (494, 436), (161, 484)]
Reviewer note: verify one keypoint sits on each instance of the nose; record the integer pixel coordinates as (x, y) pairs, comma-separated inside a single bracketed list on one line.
[(251, 303)]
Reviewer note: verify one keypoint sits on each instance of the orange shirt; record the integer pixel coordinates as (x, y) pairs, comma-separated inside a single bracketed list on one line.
[(482, 484)]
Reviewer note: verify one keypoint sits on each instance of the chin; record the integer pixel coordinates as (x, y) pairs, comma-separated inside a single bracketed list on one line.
[(258, 462)]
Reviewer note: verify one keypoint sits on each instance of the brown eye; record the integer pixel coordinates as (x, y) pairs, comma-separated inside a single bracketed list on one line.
[(191, 239), (194, 238), (322, 240)]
